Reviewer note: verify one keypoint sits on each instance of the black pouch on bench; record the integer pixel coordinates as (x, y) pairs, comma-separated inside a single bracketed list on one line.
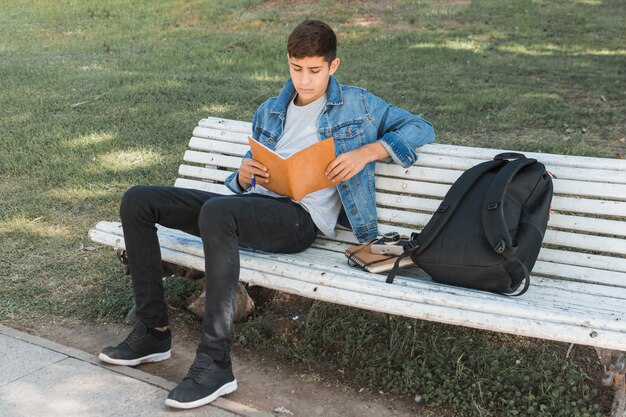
[(487, 232)]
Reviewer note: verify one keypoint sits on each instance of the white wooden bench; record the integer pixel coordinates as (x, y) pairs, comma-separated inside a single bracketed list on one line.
[(578, 289)]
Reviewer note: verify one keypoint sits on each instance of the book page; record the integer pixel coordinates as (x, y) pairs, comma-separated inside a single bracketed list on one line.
[(301, 173)]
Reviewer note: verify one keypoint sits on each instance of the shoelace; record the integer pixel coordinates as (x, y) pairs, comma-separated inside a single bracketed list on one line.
[(199, 365), (132, 337)]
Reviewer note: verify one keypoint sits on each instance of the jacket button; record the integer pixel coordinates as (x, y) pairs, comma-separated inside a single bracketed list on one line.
[(344, 187), (354, 211), (362, 235)]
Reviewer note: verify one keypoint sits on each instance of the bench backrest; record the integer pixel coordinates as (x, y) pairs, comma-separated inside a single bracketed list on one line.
[(587, 228)]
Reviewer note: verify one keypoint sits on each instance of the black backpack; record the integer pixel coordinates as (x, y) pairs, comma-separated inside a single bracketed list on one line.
[(487, 232)]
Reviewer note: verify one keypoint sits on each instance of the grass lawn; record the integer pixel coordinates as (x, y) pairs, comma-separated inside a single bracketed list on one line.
[(97, 96)]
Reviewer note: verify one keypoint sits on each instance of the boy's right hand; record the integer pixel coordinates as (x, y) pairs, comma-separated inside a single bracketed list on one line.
[(251, 167)]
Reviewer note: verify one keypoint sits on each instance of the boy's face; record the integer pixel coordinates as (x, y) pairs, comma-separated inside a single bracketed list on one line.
[(310, 77)]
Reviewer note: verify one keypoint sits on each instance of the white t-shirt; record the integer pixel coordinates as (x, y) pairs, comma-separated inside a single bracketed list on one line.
[(301, 132)]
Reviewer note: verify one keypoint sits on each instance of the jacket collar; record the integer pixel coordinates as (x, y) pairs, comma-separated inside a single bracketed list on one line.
[(334, 97)]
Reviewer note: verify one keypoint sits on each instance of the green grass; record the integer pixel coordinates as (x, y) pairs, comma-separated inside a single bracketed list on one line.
[(98, 96), (469, 372)]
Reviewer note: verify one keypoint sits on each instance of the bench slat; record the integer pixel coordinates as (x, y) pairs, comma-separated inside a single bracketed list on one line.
[(578, 205), (206, 145), (430, 174), (204, 186), (550, 159), (586, 206), (444, 161), (465, 152), (558, 221), (561, 186), (585, 242), (583, 259), (406, 202), (587, 224), (232, 162), (580, 273), (226, 124), (553, 237), (203, 173)]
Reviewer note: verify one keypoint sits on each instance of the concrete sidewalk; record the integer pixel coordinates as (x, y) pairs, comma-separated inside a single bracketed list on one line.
[(42, 378)]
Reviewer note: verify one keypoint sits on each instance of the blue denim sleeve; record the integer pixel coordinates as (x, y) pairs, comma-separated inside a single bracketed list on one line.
[(231, 181), (399, 131)]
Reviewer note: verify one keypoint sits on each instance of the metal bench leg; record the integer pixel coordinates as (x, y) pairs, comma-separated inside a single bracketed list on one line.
[(613, 362), (121, 255)]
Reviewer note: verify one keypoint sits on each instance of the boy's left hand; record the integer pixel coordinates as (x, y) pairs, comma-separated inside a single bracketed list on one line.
[(348, 164)]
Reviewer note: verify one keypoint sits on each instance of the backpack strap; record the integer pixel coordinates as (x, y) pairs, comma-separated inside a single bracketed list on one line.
[(494, 224), (521, 271), (446, 209), (413, 245)]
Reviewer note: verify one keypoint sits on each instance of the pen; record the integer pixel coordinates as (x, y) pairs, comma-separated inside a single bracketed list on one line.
[(253, 184)]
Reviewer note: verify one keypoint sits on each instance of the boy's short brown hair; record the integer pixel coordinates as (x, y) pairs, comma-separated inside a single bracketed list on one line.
[(313, 38)]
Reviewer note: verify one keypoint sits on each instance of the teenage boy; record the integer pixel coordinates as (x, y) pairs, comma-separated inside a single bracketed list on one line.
[(311, 106)]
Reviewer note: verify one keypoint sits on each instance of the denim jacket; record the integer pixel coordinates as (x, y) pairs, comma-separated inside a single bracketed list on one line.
[(353, 117)]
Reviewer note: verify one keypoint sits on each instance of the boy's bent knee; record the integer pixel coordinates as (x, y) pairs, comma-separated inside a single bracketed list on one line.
[(134, 199), (217, 214)]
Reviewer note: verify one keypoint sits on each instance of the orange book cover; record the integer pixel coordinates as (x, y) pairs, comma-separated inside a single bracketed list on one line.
[(301, 173)]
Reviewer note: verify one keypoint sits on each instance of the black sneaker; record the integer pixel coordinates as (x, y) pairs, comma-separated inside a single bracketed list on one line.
[(140, 346), (204, 382)]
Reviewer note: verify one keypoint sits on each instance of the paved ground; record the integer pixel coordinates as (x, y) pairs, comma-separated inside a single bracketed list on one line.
[(42, 378)]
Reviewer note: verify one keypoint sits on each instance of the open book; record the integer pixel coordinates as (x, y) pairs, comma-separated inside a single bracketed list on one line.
[(301, 173)]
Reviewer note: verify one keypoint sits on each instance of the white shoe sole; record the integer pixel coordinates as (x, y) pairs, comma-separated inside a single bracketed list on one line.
[(223, 390), (155, 357)]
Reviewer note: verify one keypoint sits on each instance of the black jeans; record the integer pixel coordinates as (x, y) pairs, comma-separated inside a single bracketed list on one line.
[(224, 223)]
